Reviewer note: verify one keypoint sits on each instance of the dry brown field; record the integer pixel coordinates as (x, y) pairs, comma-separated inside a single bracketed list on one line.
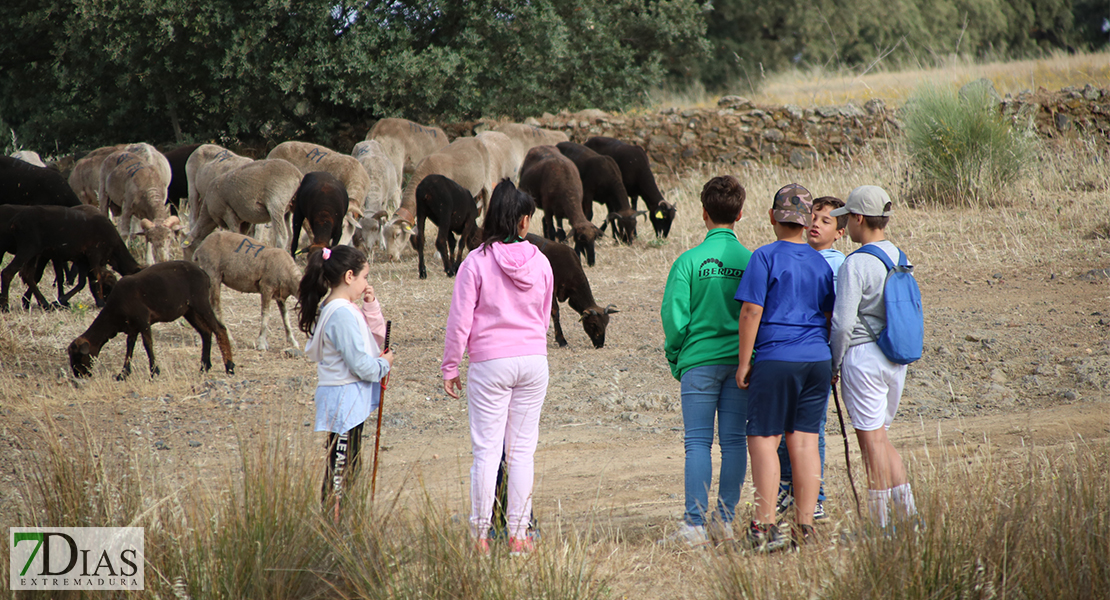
[(1017, 355)]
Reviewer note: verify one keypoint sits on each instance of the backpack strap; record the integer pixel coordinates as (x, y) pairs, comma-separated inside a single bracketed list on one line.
[(881, 255)]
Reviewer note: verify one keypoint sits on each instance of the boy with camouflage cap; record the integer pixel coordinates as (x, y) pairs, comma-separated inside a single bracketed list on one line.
[(788, 297)]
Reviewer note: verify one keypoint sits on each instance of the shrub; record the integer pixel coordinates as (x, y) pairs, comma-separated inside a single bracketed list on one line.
[(964, 150)]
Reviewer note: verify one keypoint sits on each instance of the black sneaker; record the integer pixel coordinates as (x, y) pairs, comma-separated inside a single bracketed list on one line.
[(805, 535), (819, 512), (766, 537)]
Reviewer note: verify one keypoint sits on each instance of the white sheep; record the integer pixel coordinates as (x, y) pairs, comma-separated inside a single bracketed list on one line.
[(29, 157), (246, 265), (385, 189)]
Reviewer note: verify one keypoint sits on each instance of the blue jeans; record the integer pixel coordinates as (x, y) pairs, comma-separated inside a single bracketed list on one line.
[(710, 392), (786, 472)]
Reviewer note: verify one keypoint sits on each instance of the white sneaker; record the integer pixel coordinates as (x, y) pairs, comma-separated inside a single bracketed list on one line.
[(720, 533), (688, 536)]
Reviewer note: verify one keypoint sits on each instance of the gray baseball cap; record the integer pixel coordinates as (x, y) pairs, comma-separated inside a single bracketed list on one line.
[(866, 200)]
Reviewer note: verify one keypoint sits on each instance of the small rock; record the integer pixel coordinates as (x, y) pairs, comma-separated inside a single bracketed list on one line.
[(997, 275), (1063, 123), (803, 158), (160, 445), (194, 444), (773, 135), (1069, 395), (998, 376), (294, 353), (875, 106), (828, 111), (734, 102), (1095, 274)]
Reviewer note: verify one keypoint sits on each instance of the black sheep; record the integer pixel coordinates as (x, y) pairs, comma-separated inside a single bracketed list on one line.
[(454, 211), (638, 180), (572, 287), (322, 200), (63, 235), (179, 182), (160, 293), (601, 183), (552, 179), (25, 184)]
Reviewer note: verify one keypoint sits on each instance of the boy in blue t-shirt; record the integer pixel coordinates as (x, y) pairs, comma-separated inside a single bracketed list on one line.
[(788, 298), (822, 234)]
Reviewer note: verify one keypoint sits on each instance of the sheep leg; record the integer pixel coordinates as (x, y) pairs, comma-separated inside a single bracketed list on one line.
[(31, 274), (559, 339), (442, 248), (418, 240), (292, 341), (126, 371), (148, 345), (205, 330), (204, 226), (6, 277), (205, 322), (263, 344)]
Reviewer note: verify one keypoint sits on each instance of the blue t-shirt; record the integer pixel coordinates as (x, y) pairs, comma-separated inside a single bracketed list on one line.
[(835, 258), (794, 285)]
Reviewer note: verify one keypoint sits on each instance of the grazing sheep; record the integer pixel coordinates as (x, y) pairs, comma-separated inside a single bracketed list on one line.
[(25, 184), (322, 200), (246, 265), (450, 206), (552, 179), (406, 143), (257, 192), (638, 180), (158, 294), (137, 178), (526, 137), (385, 189), (66, 271), (179, 179), (601, 183), (465, 161), (369, 236), (314, 157), (85, 177), (29, 157), (572, 287), (206, 163), (60, 234)]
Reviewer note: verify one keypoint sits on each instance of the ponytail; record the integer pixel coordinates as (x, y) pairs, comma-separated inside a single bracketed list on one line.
[(320, 276), (507, 205)]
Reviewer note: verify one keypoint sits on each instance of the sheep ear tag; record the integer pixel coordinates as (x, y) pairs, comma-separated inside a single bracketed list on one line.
[(658, 214), (406, 227)]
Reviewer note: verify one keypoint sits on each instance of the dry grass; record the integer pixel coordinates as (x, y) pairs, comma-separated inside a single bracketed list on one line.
[(820, 87)]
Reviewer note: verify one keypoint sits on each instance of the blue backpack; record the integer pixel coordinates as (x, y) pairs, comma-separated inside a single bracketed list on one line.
[(904, 335)]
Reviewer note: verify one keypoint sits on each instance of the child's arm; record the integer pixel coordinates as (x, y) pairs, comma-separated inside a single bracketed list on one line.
[(675, 313), (343, 331), (372, 312), (460, 319), (750, 316), (845, 312)]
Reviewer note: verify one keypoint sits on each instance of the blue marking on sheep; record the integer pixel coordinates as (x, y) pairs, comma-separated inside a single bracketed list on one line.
[(251, 247), (316, 155)]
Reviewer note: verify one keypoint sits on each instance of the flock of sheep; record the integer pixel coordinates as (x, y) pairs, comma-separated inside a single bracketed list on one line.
[(358, 198)]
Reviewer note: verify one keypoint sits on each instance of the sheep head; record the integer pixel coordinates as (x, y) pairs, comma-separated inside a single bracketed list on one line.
[(624, 225), (396, 232), (662, 217), (594, 320), (585, 234), (161, 236), (81, 355)]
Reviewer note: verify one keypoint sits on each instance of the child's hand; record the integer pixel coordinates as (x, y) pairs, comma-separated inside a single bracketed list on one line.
[(452, 386), (743, 375), (368, 295), (388, 356)]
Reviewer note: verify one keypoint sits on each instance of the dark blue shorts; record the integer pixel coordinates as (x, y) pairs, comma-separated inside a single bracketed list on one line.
[(788, 396)]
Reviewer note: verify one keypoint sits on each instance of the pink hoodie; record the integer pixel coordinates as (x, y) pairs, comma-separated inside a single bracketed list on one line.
[(501, 306)]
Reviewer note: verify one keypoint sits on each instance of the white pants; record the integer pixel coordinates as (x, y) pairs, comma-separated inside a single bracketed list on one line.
[(504, 396), (872, 386)]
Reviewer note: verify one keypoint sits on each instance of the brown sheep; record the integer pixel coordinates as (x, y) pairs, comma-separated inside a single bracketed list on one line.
[(572, 287), (158, 294), (246, 265), (552, 179)]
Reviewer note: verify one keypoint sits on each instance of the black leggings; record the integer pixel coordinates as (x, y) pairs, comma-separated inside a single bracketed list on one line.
[(343, 460)]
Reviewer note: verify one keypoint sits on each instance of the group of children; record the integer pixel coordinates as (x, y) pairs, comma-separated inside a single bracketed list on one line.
[(757, 340), (747, 333)]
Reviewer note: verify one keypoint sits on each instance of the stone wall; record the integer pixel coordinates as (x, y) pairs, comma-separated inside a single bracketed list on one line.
[(738, 132)]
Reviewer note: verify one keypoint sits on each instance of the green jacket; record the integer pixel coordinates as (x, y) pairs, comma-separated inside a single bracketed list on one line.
[(699, 313)]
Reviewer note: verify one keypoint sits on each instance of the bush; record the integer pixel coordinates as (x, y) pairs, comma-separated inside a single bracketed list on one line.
[(964, 150)]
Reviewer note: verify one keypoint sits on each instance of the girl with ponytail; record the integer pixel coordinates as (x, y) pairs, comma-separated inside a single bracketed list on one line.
[(343, 319)]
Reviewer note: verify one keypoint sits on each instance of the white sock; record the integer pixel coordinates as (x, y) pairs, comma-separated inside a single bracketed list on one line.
[(878, 504), (902, 496)]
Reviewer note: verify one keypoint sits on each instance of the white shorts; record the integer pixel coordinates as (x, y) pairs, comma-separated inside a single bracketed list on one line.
[(872, 386)]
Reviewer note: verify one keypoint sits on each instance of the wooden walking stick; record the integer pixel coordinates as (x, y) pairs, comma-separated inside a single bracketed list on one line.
[(378, 433), (847, 460)]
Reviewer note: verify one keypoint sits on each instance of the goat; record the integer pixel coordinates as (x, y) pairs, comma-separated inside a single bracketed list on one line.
[(552, 179), (572, 287), (160, 293), (60, 234), (27, 185), (601, 183), (451, 207), (322, 200), (638, 180), (246, 265)]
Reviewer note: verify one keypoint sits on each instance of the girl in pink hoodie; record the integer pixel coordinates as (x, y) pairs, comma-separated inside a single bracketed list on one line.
[(500, 311)]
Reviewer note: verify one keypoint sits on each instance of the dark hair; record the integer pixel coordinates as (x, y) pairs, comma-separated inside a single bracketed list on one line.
[(320, 276), (833, 203), (876, 222), (723, 199), (507, 205)]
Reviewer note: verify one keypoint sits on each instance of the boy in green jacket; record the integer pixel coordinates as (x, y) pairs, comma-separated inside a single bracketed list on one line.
[(700, 322)]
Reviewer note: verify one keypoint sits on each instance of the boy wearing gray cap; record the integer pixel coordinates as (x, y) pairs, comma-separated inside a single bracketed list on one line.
[(872, 384)]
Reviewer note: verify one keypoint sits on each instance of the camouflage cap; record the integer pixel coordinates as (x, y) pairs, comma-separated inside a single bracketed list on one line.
[(866, 200), (793, 204)]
